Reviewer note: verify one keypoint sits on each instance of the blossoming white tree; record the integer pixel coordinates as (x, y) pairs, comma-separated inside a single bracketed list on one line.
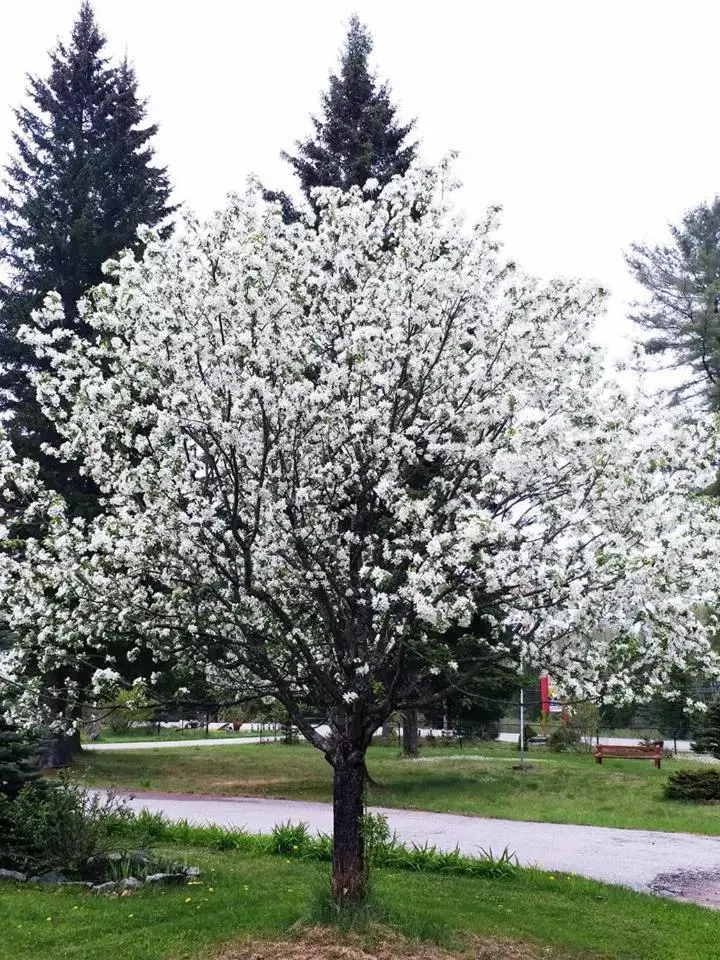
[(349, 459)]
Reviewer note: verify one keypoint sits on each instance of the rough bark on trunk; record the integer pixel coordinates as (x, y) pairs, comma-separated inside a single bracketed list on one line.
[(348, 872), (60, 749), (410, 734)]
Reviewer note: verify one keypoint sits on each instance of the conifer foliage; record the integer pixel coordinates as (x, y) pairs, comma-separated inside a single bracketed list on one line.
[(708, 736), (81, 182), (18, 763), (682, 312), (357, 138)]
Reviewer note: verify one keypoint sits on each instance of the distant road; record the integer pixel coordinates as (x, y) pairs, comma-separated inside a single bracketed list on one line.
[(146, 744)]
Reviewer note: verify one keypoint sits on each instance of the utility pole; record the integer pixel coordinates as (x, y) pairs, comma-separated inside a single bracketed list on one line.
[(522, 723)]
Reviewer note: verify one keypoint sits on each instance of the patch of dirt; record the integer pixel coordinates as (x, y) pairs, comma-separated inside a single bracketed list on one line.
[(321, 944), (697, 886)]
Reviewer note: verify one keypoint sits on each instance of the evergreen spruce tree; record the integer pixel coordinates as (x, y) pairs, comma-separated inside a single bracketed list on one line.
[(682, 314), (357, 137), (708, 731), (19, 769), (18, 761), (81, 182)]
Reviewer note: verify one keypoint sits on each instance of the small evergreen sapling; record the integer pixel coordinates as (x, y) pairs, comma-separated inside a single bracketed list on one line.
[(708, 738)]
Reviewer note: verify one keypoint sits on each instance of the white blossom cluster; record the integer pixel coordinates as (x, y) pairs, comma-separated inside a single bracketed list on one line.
[(359, 461)]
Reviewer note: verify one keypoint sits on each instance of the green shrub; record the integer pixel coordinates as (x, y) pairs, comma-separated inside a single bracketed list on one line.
[(563, 737), (585, 719), (698, 786), (123, 714), (376, 834), (58, 826)]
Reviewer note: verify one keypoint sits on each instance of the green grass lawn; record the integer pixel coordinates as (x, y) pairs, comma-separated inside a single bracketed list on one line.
[(568, 788), (248, 897)]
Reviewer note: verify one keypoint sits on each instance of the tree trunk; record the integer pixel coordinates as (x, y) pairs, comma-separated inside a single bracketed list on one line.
[(410, 733), (60, 749), (348, 870)]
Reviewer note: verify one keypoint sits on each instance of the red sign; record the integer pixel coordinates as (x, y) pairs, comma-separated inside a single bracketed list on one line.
[(549, 701)]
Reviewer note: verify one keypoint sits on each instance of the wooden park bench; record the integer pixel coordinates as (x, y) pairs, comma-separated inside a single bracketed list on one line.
[(652, 752)]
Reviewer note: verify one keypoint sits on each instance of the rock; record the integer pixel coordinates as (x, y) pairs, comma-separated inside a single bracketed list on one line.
[(139, 858), (104, 888), (129, 883), (193, 872), (53, 878), (165, 879), (100, 865), (112, 856), (12, 876), (34, 880)]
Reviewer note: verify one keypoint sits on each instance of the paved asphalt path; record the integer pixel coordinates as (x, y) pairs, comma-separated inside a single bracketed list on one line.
[(683, 745), (165, 744), (633, 858)]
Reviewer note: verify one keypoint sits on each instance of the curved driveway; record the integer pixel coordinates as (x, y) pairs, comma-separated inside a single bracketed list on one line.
[(633, 858), (150, 744)]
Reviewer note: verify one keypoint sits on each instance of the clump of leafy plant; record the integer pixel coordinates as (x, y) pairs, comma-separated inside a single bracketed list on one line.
[(59, 826)]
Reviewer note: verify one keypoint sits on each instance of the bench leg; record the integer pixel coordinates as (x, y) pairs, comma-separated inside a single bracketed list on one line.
[(656, 761), (598, 759)]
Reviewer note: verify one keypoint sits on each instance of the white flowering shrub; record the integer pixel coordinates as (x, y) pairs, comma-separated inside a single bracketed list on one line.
[(344, 461)]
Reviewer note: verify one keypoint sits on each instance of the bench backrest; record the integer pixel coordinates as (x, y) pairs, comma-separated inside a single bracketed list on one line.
[(642, 753)]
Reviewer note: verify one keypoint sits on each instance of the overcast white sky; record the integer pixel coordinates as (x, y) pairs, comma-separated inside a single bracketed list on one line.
[(592, 124)]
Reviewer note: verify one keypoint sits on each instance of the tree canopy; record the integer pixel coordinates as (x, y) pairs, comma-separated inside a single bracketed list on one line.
[(359, 474)]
